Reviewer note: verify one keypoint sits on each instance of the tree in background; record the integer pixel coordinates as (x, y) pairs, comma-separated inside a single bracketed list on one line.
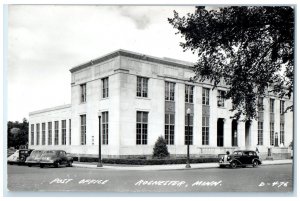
[(17, 133), (160, 149), (248, 48)]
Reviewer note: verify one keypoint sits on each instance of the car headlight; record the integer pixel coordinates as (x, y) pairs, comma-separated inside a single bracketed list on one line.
[(221, 159)]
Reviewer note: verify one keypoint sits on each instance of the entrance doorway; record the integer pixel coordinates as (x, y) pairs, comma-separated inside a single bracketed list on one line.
[(220, 133), (234, 133), (247, 133)]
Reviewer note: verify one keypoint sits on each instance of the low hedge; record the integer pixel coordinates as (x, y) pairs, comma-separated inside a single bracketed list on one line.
[(147, 161)]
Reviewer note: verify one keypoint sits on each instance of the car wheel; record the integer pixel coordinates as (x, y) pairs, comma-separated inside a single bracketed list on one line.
[(29, 165), (233, 164), (41, 165), (255, 163)]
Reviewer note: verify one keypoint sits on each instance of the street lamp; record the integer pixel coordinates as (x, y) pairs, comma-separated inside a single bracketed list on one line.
[(99, 158), (188, 112)]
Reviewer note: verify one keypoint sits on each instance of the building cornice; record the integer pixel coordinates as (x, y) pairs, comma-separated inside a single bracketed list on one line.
[(134, 55)]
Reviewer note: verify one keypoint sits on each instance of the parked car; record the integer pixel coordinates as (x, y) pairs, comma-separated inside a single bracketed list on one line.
[(11, 151), (55, 158), (13, 158), (19, 157), (34, 158), (24, 154), (240, 158)]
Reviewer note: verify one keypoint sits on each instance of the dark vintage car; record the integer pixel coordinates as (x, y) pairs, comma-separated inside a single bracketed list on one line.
[(55, 158), (19, 157), (34, 158), (240, 158)]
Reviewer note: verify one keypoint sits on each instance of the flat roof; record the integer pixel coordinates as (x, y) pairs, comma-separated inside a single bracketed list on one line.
[(135, 55), (50, 109)]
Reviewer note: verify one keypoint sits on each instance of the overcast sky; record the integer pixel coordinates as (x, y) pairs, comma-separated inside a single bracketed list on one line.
[(45, 41)]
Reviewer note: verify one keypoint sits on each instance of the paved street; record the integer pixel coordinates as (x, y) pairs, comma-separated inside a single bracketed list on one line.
[(270, 178)]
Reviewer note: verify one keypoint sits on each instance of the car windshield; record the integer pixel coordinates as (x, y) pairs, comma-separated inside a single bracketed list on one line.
[(50, 153), (36, 153)]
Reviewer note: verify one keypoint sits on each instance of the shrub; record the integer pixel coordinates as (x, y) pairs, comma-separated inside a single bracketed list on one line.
[(148, 161), (160, 149)]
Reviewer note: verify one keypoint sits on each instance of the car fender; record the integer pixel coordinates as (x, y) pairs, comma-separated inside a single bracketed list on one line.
[(256, 159), (69, 158), (236, 160), (56, 160)]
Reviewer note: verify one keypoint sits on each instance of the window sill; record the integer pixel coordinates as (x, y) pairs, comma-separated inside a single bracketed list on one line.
[(171, 101), (104, 98), (143, 98)]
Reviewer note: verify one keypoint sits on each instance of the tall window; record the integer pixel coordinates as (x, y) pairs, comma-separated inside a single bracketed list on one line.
[(83, 129), (105, 87), (205, 130), (141, 127), (32, 134), (37, 134), (282, 133), (169, 91), (142, 87), (70, 129), (272, 105), (169, 128), (49, 133), (271, 133), (56, 133), (189, 93), (104, 127), (221, 100), (63, 132), (43, 133), (83, 93), (282, 107), (260, 132), (188, 138), (205, 96), (260, 104)]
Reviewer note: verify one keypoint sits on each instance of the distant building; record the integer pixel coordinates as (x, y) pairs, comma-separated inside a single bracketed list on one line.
[(135, 98)]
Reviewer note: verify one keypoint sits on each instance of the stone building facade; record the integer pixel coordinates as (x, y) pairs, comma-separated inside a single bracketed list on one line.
[(131, 99)]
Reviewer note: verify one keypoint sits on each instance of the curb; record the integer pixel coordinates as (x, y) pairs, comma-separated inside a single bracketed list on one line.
[(177, 167)]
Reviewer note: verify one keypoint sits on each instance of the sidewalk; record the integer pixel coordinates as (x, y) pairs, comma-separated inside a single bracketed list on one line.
[(167, 167)]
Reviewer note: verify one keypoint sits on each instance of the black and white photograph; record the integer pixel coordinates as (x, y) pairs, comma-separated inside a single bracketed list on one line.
[(194, 99)]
